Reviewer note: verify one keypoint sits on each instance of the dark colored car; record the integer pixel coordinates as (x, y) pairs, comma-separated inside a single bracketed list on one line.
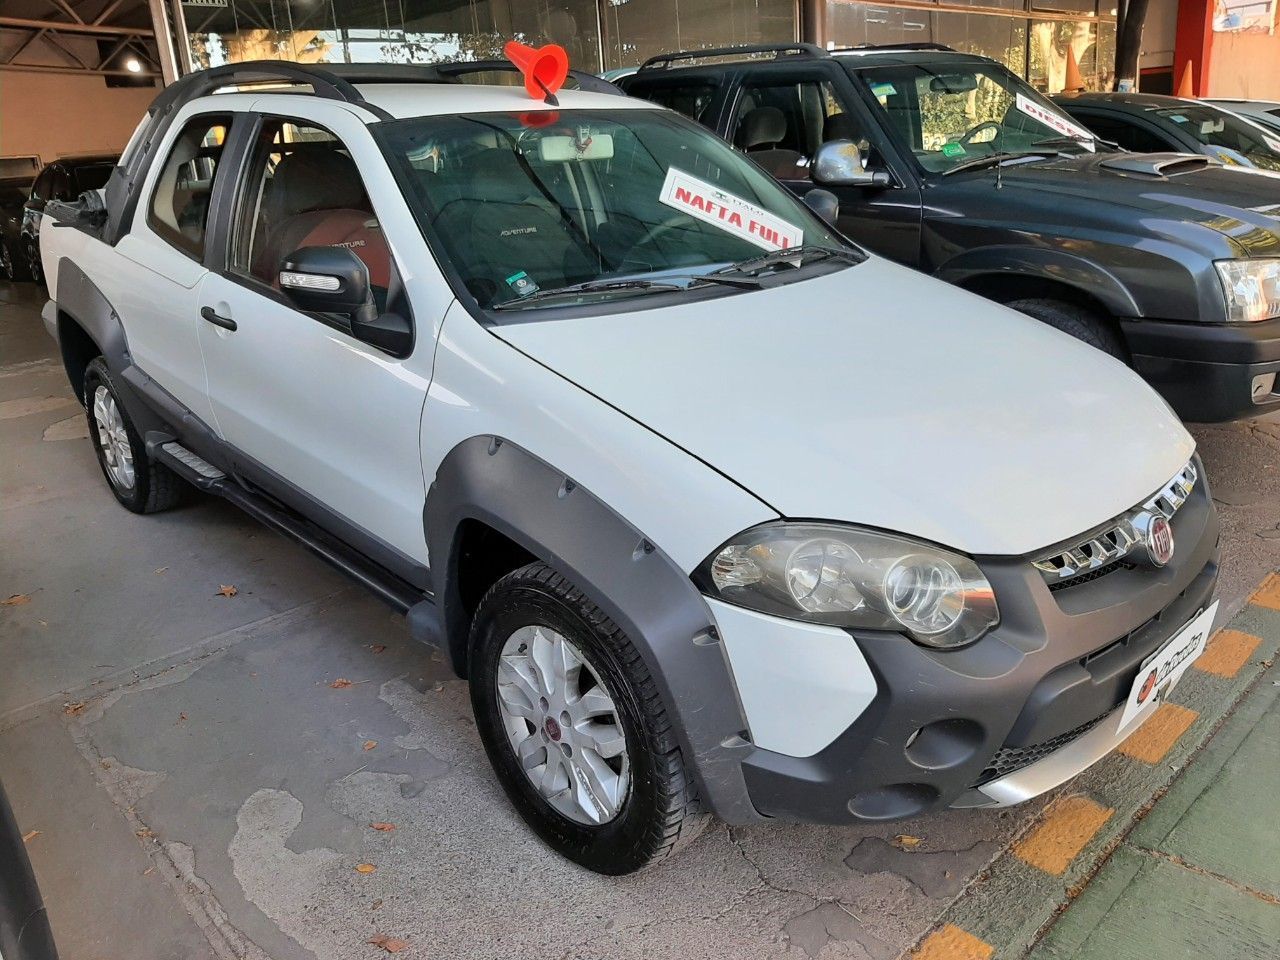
[(1149, 122), (1265, 113), (63, 180), (949, 163), (24, 925), (16, 177)]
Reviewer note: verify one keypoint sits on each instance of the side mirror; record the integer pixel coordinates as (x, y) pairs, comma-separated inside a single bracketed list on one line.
[(839, 164), (333, 280), (824, 203)]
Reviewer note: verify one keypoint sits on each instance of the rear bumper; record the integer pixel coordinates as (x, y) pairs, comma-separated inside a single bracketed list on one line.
[(1044, 686), (1209, 372)]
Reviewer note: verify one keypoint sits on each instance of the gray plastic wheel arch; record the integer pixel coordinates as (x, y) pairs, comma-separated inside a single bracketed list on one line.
[(638, 586)]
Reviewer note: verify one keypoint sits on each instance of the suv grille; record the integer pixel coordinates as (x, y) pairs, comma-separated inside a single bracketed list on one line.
[(1114, 541), (1008, 760)]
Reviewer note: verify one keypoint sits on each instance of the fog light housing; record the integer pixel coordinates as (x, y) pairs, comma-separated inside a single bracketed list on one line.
[(1264, 385)]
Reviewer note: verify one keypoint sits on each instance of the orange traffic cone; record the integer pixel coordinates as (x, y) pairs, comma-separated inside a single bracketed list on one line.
[(1186, 86), (544, 68), (1074, 82)]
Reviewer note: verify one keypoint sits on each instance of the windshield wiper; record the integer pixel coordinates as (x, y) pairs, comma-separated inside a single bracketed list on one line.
[(1068, 138), (993, 159), (634, 285), (791, 256)]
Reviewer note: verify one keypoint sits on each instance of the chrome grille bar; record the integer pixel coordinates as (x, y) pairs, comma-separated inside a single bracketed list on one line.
[(1115, 540)]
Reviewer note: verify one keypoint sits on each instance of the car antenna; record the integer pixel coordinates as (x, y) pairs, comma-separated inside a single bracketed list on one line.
[(1000, 163)]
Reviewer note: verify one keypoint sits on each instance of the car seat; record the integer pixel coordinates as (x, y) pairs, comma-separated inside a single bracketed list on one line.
[(762, 130)]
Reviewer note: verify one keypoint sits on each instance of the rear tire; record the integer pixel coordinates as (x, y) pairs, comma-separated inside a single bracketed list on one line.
[(623, 808), (13, 267), (1079, 322), (139, 483), (35, 269)]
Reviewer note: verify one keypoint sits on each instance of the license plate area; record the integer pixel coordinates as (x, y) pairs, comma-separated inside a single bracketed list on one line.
[(1161, 671)]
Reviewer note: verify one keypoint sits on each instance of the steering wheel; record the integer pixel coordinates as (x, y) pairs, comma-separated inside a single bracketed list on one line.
[(973, 131)]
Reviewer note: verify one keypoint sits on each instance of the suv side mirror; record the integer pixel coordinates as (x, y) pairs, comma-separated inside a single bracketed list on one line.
[(839, 164), (824, 203), (333, 280)]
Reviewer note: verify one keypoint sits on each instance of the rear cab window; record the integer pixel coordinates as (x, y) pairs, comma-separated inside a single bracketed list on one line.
[(693, 100), (179, 209)]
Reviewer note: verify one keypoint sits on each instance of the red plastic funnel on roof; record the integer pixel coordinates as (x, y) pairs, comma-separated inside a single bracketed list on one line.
[(544, 68)]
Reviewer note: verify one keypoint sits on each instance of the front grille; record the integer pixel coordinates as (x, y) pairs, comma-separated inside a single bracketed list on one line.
[(1102, 551), (1009, 760)]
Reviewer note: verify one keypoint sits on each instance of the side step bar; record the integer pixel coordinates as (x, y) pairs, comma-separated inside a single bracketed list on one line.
[(420, 609)]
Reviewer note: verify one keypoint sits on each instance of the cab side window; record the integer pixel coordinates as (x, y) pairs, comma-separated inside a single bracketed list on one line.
[(303, 189), (692, 100), (781, 126), (1128, 135), (180, 204)]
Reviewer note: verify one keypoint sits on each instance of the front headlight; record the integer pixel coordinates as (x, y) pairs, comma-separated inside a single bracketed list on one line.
[(847, 577), (1252, 289)]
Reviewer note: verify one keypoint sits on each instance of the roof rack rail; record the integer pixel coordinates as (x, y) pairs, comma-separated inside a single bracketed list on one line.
[(323, 83), (449, 73), (805, 51), (924, 45)]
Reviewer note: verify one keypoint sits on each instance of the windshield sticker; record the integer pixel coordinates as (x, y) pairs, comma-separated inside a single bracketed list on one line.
[(732, 214), (1054, 121), (522, 284), (883, 89), (953, 150)]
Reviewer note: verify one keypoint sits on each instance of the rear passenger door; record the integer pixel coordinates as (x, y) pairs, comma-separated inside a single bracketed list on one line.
[(780, 118), (322, 421)]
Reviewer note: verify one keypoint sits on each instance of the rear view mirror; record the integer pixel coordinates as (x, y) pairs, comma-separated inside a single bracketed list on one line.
[(953, 83), (839, 164), (560, 149), (333, 280)]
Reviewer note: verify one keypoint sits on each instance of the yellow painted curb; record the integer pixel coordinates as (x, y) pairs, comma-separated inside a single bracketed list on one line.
[(1268, 595), (952, 943), (1066, 826), (1155, 738), (1227, 652)]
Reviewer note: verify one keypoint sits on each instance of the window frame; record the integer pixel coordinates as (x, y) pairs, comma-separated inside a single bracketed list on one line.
[(162, 231)]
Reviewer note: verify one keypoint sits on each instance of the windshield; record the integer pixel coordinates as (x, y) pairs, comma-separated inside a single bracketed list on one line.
[(1228, 137), (948, 114), (524, 204)]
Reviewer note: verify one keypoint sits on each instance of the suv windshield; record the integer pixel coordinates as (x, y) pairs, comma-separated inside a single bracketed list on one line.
[(1230, 138), (626, 202), (950, 114)]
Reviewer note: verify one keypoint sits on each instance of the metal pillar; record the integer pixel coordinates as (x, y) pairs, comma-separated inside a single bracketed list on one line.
[(812, 16), (169, 70)]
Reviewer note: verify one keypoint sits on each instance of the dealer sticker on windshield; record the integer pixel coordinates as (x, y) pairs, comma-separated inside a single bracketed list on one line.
[(1054, 121), (730, 213), (1163, 670)]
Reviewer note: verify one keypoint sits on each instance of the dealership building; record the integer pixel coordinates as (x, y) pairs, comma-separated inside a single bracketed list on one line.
[(101, 59)]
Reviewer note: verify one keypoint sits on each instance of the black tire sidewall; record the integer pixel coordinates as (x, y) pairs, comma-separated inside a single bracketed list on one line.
[(623, 844), (1074, 321), (134, 499)]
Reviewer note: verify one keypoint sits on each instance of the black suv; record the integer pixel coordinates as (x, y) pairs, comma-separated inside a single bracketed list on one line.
[(63, 180), (950, 163)]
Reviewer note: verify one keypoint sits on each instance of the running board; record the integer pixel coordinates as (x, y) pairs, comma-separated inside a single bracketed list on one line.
[(420, 610)]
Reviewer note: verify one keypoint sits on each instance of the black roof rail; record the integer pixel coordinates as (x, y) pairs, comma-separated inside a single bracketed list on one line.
[(925, 45), (323, 83), (805, 51), (450, 73)]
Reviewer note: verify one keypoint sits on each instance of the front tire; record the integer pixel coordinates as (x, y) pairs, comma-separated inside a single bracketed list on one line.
[(1077, 321), (575, 727), (139, 483)]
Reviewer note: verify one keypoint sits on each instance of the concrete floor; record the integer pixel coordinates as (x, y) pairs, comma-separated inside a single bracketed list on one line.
[(200, 790)]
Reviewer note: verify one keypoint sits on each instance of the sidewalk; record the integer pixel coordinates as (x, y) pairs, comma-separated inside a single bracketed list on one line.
[(1200, 875)]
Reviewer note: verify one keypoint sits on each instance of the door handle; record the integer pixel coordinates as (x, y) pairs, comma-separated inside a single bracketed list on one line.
[(217, 319)]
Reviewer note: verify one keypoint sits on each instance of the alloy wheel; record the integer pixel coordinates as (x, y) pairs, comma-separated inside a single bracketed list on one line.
[(563, 726), (113, 439), (6, 262)]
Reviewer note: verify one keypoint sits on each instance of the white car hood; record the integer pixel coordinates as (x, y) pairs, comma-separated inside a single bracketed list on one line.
[(876, 396)]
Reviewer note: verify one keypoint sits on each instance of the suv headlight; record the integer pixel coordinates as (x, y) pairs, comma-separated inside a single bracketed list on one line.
[(848, 577), (1252, 289)]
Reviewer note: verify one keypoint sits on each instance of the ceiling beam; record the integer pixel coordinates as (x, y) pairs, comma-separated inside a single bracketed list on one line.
[(83, 29), (18, 67), (65, 8)]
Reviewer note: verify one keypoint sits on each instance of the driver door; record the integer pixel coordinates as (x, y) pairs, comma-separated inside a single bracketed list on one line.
[(781, 118)]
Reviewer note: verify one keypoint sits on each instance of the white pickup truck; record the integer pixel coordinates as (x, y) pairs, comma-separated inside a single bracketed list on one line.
[(718, 514)]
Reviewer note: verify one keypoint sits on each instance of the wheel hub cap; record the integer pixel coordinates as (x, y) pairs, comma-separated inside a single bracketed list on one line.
[(113, 439), (563, 726)]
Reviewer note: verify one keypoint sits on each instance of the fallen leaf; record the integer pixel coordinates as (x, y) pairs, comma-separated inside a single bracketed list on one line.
[(379, 647), (147, 872), (144, 834), (160, 570), (106, 764), (17, 600), (181, 717), (370, 744), (389, 944), (28, 837), (226, 591), (377, 904), (384, 827), (365, 868), (340, 683), (75, 709), (907, 842)]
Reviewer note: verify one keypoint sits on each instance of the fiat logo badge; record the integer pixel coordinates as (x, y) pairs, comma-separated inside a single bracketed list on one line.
[(1160, 541)]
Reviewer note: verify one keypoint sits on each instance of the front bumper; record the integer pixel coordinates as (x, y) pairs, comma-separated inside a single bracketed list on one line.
[(979, 726), (1209, 372)]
